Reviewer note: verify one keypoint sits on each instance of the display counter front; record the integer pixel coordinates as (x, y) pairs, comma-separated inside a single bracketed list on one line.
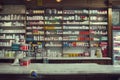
[(38, 71)]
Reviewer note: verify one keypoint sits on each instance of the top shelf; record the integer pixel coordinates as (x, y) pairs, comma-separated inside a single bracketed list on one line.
[(67, 11)]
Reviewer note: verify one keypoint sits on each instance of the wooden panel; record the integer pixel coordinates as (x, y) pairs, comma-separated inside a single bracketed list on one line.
[(12, 2), (75, 3), (51, 3), (106, 62), (30, 4), (115, 2), (98, 3), (110, 31), (69, 3), (65, 3)]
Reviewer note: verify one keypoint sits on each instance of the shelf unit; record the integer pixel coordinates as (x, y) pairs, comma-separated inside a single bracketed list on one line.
[(53, 32), (70, 32), (75, 32), (12, 29), (99, 32), (35, 32), (116, 35)]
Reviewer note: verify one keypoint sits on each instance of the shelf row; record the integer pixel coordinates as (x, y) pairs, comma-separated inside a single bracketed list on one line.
[(70, 43), (67, 27), (58, 27), (66, 11), (52, 17), (58, 52), (66, 32), (66, 38)]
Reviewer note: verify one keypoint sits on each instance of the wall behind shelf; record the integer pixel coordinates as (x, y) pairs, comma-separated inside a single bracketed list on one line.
[(68, 3), (79, 3)]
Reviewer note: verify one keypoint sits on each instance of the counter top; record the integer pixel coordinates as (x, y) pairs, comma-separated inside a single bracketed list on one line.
[(74, 68)]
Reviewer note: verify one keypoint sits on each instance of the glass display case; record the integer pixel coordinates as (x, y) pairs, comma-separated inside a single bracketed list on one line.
[(116, 36)]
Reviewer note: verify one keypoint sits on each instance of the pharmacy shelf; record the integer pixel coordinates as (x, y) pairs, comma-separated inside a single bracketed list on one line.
[(74, 58)]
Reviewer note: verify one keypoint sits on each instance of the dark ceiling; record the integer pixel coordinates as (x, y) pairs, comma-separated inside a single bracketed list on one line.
[(12, 2)]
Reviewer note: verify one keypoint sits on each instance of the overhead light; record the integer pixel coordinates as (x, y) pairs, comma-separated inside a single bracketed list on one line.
[(28, 0), (58, 0)]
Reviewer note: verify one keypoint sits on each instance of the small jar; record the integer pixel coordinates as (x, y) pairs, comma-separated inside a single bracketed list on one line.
[(25, 61)]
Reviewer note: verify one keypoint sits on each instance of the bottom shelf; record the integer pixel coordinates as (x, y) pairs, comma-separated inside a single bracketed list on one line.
[(106, 61)]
